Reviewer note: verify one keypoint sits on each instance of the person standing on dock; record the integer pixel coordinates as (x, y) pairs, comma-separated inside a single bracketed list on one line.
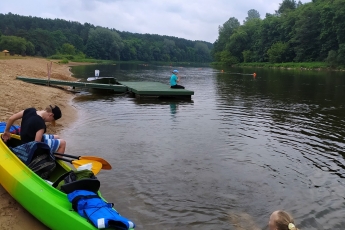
[(174, 79)]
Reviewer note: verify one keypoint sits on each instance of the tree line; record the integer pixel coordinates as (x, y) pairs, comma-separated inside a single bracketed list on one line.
[(296, 32), (27, 35)]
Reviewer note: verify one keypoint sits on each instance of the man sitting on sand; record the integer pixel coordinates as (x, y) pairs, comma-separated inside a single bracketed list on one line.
[(33, 127)]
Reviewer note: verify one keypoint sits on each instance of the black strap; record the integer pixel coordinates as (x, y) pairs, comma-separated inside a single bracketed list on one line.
[(70, 177), (77, 198), (63, 176), (91, 185)]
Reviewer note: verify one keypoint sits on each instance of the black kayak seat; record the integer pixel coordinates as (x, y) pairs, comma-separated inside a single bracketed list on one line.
[(88, 184), (92, 185)]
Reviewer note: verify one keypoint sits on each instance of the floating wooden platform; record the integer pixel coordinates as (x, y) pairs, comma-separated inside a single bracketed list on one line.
[(155, 89), (138, 89), (116, 88)]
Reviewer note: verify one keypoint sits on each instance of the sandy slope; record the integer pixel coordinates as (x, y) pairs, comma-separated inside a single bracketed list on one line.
[(17, 95)]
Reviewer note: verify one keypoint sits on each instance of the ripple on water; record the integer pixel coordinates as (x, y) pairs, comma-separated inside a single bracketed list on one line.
[(240, 149)]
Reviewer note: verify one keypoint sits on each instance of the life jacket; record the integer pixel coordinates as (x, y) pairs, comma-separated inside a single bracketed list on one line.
[(101, 214)]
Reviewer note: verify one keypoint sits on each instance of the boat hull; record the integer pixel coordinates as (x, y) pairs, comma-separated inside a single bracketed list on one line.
[(102, 80), (47, 204)]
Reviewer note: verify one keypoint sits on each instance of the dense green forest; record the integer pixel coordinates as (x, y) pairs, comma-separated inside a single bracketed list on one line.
[(36, 36), (296, 32)]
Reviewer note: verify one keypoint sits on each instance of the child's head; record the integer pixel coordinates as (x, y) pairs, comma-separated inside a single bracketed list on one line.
[(281, 220)]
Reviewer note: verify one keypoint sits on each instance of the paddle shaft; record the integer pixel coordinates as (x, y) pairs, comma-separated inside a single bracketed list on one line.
[(61, 158), (71, 156)]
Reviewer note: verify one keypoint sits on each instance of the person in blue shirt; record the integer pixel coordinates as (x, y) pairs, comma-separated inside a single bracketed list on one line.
[(174, 79)]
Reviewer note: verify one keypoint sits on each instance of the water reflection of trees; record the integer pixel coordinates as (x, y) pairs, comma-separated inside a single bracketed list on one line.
[(302, 110)]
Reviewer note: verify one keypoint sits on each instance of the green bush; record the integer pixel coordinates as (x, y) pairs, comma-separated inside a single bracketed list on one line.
[(277, 52), (61, 56), (247, 56), (63, 61), (56, 56)]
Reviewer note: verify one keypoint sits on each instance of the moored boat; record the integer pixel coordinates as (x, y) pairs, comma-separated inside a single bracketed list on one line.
[(48, 204), (103, 80)]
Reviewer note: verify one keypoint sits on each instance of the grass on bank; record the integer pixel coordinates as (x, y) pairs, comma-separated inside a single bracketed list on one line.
[(292, 65), (64, 59), (287, 65), (8, 56)]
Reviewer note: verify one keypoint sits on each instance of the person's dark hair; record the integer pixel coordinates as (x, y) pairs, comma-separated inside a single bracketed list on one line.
[(55, 110)]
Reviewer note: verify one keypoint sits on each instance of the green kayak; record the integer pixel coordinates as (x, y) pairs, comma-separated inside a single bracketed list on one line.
[(43, 201)]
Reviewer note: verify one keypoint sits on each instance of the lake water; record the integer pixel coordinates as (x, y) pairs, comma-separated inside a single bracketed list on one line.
[(240, 149)]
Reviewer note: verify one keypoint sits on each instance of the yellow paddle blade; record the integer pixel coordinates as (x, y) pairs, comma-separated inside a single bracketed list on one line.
[(105, 164), (96, 166)]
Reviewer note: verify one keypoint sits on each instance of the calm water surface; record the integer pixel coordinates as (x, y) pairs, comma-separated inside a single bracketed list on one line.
[(240, 149)]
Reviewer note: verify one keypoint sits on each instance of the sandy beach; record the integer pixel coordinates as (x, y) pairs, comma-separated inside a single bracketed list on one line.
[(16, 96)]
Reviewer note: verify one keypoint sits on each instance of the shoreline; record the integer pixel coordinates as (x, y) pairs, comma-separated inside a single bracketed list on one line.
[(317, 66), (20, 95)]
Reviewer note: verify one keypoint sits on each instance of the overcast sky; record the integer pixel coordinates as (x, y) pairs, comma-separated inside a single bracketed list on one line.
[(189, 19)]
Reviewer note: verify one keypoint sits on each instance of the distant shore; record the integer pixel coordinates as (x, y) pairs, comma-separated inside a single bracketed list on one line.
[(287, 65)]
